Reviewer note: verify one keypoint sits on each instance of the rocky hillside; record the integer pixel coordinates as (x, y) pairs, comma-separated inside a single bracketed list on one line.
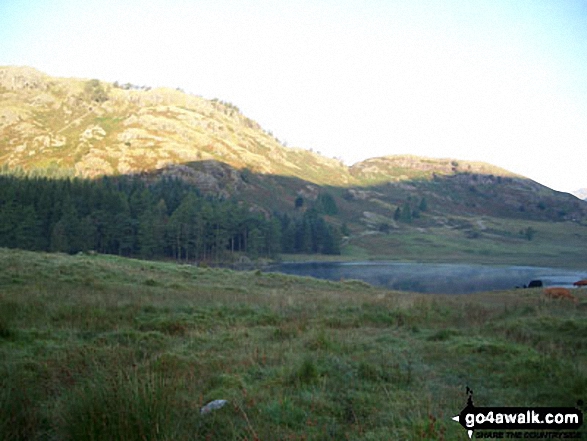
[(87, 128), (407, 167)]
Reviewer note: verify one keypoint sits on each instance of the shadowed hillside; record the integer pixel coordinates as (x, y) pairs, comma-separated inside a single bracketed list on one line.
[(167, 215), (55, 127)]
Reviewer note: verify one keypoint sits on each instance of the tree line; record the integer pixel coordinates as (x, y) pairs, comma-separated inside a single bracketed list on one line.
[(165, 219)]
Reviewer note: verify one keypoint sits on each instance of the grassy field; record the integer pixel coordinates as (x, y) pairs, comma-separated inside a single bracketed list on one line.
[(99, 347), (482, 240)]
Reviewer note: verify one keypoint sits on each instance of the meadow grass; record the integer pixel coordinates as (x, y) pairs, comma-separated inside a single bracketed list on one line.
[(100, 347), (499, 242)]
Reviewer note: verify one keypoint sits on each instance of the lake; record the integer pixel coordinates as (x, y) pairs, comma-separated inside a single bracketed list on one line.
[(434, 278)]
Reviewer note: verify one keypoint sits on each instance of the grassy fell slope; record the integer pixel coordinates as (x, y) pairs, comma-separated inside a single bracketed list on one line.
[(101, 347)]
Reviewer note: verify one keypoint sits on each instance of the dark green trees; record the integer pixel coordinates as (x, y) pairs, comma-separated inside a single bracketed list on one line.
[(309, 233), (406, 214), (166, 219), (327, 204)]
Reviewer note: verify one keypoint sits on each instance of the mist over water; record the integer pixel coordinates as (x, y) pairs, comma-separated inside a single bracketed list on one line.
[(435, 278)]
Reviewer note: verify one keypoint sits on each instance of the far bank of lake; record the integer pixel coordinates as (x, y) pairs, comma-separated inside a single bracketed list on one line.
[(434, 278)]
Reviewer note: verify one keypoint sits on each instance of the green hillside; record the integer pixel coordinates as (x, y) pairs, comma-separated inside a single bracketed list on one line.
[(102, 347), (58, 127)]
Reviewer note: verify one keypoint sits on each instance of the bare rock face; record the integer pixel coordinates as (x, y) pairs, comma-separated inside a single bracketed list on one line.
[(22, 78), (209, 176), (309, 192), (93, 166), (362, 195), (93, 132), (47, 141), (8, 117)]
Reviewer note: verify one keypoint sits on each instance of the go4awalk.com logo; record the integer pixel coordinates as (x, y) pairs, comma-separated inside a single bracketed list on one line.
[(520, 422)]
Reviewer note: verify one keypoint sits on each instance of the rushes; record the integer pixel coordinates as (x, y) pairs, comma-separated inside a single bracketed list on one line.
[(124, 405), (123, 358)]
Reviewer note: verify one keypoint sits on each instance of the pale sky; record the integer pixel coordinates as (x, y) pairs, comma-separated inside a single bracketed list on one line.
[(491, 80)]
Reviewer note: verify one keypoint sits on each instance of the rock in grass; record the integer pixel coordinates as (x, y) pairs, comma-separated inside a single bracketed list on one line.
[(212, 405)]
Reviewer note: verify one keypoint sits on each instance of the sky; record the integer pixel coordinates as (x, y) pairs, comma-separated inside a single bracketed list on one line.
[(499, 81)]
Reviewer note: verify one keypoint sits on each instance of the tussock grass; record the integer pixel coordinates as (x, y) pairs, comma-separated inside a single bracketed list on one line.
[(91, 348)]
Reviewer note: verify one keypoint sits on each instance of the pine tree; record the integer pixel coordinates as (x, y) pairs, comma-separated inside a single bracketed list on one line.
[(398, 214), (328, 204), (8, 221), (255, 242), (406, 213), (59, 239), (146, 241), (423, 205), (27, 234), (272, 237), (66, 235)]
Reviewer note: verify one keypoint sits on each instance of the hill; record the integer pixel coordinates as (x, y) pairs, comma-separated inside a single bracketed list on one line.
[(102, 347), (60, 127), (88, 128)]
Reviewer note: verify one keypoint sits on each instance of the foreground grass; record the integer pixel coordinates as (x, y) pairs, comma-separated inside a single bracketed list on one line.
[(98, 347)]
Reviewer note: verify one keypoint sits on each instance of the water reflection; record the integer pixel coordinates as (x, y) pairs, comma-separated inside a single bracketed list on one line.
[(434, 278)]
